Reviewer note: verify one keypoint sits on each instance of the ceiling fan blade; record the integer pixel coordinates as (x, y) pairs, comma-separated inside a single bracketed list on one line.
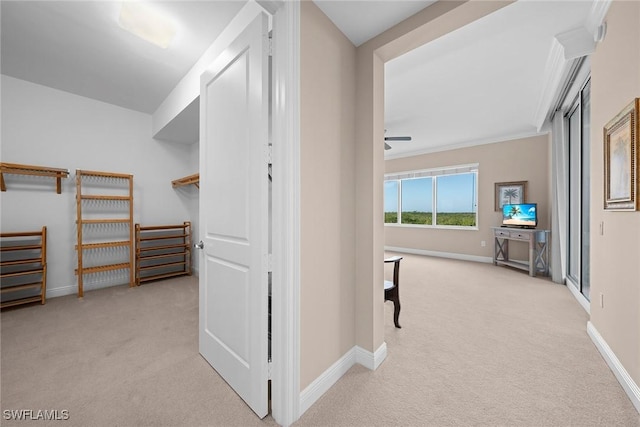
[(397, 138), (387, 146)]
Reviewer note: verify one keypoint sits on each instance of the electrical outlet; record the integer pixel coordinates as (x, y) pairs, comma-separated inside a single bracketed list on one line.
[(483, 243)]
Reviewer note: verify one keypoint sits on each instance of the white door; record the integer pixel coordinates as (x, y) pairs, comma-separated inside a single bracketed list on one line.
[(234, 215)]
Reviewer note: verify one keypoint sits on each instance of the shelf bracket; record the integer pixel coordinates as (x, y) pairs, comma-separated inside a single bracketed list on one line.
[(191, 179), (18, 169)]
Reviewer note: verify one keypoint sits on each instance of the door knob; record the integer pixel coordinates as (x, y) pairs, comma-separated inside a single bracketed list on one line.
[(198, 245)]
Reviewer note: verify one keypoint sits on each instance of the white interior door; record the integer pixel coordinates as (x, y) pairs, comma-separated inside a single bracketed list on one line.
[(234, 215)]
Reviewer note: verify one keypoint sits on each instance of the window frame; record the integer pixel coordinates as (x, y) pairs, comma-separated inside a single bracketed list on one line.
[(433, 173)]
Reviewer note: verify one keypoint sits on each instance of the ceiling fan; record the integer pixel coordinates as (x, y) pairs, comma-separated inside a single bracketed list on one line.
[(393, 139)]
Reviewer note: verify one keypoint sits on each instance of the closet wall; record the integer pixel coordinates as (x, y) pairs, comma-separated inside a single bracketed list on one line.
[(44, 126)]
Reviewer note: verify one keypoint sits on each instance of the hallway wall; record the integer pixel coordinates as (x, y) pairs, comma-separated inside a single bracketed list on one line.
[(615, 270)]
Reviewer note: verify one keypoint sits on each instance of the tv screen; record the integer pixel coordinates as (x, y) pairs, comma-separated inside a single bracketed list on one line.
[(520, 215)]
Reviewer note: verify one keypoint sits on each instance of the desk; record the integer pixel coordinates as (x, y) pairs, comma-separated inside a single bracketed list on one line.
[(538, 241)]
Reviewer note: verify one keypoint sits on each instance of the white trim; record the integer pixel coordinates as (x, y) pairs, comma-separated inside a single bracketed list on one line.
[(597, 15), (577, 43), (577, 84), (555, 73), (584, 302), (270, 6), (451, 255), (625, 380), (61, 292), (285, 384), (433, 227), (326, 380), (426, 173), (566, 46), (466, 144), (371, 360)]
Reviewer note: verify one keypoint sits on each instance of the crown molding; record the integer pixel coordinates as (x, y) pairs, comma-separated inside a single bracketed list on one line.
[(555, 69), (466, 144), (565, 48), (597, 15), (577, 43)]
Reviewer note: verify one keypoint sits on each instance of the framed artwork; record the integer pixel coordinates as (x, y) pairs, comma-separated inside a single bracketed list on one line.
[(508, 193), (621, 160)]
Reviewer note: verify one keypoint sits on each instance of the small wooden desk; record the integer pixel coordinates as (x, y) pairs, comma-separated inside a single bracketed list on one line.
[(538, 241)]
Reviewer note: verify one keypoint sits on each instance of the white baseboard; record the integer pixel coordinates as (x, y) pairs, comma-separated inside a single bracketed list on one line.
[(451, 255), (61, 291), (328, 378), (72, 290), (625, 380), (371, 360)]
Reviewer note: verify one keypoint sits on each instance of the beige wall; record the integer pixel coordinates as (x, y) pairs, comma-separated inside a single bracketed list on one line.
[(327, 130), (342, 231), (525, 159), (615, 256)]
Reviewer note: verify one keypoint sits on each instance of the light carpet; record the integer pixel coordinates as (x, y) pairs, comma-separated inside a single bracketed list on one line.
[(480, 346)]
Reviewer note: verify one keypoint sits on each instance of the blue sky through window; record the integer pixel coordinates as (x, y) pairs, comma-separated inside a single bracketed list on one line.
[(417, 195), (391, 196), (456, 193)]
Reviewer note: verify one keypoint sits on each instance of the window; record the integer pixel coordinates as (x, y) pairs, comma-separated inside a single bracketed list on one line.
[(445, 197), (579, 123)]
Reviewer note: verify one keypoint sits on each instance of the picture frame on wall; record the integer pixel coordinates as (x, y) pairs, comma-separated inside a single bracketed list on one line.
[(621, 159), (508, 193)]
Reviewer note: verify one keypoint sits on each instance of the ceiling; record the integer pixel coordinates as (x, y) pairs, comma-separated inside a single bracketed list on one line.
[(361, 20), (78, 47), (479, 84)]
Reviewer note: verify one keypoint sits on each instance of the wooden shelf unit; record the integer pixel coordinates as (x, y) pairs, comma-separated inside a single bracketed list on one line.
[(536, 239), (18, 169), (87, 184), (23, 267), (191, 179), (163, 251)]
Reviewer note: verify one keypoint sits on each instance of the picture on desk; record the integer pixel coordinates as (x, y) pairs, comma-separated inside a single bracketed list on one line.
[(520, 215)]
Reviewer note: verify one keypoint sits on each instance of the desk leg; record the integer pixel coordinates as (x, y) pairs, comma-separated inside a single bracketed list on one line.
[(532, 257), (500, 248)]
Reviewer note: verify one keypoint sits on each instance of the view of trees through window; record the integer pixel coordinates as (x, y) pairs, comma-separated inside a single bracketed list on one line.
[(412, 200)]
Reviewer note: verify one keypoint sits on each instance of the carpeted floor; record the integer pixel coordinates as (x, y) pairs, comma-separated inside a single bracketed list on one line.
[(480, 346), (119, 357)]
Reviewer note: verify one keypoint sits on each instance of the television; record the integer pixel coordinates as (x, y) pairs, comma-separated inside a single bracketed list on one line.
[(523, 215)]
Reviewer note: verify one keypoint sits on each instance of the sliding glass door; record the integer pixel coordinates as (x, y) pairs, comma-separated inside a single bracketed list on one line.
[(579, 125)]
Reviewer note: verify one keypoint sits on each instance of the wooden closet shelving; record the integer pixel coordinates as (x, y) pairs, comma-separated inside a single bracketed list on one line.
[(103, 200), (23, 267), (191, 179), (162, 251), (18, 169)]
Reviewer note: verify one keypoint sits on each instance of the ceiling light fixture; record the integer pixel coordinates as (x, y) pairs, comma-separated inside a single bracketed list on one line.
[(147, 23)]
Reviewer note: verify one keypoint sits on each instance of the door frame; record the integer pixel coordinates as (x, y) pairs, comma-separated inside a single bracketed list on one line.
[(285, 344), (580, 79)]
